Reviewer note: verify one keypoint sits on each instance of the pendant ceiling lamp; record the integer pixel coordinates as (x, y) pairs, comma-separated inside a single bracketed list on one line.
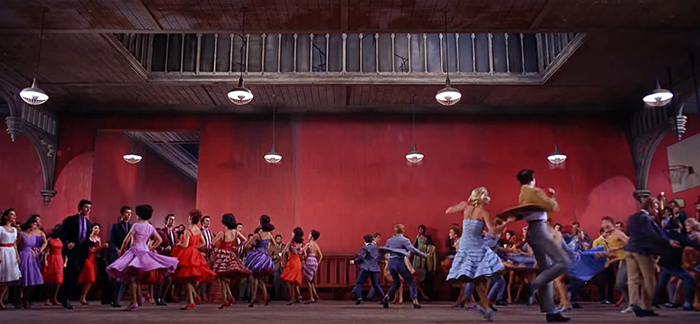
[(659, 97), (557, 157), (241, 95), (132, 157), (414, 157), (273, 157), (448, 95), (33, 95)]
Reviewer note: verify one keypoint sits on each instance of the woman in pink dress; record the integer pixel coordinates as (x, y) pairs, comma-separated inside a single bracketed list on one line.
[(140, 260)]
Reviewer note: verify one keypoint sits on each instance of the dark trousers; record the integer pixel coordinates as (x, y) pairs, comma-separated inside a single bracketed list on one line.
[(280, 292), (606, 283), (398, 270), (574, 287), (161, 291), (374, 278), (681, 274), (71, 273)]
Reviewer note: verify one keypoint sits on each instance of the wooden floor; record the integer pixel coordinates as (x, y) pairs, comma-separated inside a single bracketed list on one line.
[(325, 312)]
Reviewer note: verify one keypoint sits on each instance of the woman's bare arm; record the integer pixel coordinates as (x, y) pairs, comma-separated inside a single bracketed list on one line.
[(457, 208)]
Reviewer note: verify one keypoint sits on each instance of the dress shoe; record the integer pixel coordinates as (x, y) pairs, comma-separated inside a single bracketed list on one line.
[(557, 318), (690, 308), (66, 305), (358, 302), (529, 294), (115, 305), (501, 302), (160, 302), (605, 302), (385, 302)]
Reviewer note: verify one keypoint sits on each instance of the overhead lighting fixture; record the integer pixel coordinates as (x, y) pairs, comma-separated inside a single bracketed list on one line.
[(414, 157), (33, 95), (241, 95), (273, 157), (659, 97), (132, 157), (448, 95), (556, 158)]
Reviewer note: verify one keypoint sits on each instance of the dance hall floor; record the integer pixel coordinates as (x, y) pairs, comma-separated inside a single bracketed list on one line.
[(324, 312)]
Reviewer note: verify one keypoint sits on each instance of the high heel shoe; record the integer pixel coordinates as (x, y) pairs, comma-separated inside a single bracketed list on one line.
[(83, 302), (131, 307), (232, 301), (267, 301), (224, 305), (190, 306), (251, 304)]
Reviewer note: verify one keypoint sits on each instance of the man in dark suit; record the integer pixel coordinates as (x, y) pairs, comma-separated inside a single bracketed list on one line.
[(368, 259), (166, 248), (117, 234), (679, 214), (75, 231)]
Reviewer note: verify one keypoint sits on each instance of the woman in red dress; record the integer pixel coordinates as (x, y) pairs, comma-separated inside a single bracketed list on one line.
[(191, 267), (292, 269), (54, 262), (89, 273)]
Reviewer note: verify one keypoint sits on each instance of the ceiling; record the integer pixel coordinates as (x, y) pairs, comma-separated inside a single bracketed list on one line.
[(83, 71)]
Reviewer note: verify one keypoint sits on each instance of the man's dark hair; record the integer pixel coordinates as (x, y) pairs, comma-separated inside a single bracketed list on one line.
[(525, 176), (368, 238), (201, 221), (124, 209), (82, 203), (278, 235)]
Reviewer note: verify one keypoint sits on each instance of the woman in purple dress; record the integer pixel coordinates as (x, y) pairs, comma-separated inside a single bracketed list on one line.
[(139, 260), (258, 260), (30, 243)]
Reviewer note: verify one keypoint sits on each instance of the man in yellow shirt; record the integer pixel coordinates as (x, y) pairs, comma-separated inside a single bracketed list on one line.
[(606, 279)]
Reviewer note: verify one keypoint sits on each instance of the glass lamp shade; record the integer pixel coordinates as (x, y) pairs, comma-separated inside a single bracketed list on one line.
[(557, 158), (658, 98), (33, 95), (240, 95), (132, 158), (273, 157), (448, 95), (414, 156)]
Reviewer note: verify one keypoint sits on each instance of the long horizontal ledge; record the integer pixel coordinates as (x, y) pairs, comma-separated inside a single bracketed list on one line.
[(350, 78), (577, 29)]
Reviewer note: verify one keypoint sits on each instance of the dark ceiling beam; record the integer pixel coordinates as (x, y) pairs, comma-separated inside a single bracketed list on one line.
[(344, 16), (317, 31), (150, 14), (542, 14)]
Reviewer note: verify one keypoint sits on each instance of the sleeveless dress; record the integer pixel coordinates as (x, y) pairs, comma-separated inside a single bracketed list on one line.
[(225, 262), (259, 261), (53, 271), (311, 265), (138, 259), (9, 269), (292, 270), (191, 263), (29, 266), (89, 272), (473, 258)]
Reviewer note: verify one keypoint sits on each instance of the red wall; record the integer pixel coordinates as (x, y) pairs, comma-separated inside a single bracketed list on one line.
[(347, 176), (95, 172), (659, 180), (344, 176)]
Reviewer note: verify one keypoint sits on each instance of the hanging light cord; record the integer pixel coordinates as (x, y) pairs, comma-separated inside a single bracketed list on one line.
[(447, 52), (244, 42), (41, 38), (273, 126), (414, 129)]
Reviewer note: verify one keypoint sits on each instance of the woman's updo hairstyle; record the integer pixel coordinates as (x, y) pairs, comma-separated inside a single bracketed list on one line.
[(265, 224)]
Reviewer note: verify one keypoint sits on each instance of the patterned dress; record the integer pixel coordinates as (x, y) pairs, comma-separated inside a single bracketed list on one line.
[(225, 263), (473, 258), (311, 265)]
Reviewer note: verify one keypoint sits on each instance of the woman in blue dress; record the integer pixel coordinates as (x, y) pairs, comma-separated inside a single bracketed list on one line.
[(474, 261)]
